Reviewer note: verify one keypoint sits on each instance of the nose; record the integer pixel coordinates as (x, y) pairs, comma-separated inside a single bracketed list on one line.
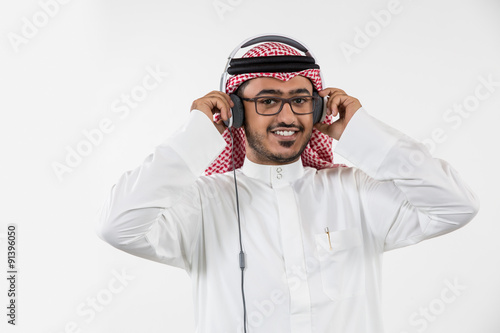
[(286, 114)]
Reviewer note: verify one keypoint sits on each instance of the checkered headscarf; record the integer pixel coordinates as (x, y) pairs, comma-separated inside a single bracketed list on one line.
[(318, 152)]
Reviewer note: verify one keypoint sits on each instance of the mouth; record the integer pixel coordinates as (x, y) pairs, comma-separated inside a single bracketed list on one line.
[(285, 134)]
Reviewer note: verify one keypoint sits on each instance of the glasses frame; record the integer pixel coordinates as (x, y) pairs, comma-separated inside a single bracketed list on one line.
[(316, 99)]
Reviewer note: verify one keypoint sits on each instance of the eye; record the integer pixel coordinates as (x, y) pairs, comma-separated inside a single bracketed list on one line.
[(268, 101), (300, 100)]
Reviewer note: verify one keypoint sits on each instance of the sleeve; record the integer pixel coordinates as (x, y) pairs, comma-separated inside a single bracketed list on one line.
[(408, 195), (154, 211)]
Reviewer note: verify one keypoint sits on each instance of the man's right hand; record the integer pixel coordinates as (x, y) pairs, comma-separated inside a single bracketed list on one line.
[(215, 102)]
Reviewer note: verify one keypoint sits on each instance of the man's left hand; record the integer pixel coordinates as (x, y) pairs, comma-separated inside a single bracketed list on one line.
[(339, 103)]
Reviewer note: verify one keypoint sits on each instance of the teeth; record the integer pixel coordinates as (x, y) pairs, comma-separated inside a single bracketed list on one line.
[(285, 133)]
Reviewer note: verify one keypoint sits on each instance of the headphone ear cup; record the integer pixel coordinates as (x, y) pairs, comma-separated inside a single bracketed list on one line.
[(319, 109), (237, 111)]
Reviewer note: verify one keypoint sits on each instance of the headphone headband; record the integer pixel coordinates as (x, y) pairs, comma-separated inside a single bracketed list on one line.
[(259, 39), (275, 38)]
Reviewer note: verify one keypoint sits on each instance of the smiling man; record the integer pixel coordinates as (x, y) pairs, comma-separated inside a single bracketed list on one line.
[(313, 232)]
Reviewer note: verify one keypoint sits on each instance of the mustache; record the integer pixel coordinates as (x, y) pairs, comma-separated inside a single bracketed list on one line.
[(283, 125)]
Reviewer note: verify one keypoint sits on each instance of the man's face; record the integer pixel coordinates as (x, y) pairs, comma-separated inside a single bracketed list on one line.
[(281, 138)]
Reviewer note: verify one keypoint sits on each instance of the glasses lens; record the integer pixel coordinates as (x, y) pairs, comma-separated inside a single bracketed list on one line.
[(268, 105), (271, 105), (302, 105)]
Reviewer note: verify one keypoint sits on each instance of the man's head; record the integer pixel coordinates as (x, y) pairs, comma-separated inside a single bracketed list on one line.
[(279, 138), (263, 143)]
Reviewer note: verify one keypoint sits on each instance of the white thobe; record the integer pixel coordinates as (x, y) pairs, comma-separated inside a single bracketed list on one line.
[(298, 278)]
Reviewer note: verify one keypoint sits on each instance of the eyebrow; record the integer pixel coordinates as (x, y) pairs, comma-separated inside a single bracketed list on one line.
[(280, 93)]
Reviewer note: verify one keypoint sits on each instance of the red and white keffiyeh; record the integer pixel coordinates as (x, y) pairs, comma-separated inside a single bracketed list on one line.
[(318, 152)]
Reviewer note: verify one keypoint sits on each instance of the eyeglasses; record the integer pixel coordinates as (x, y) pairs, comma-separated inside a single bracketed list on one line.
[(269, 106)]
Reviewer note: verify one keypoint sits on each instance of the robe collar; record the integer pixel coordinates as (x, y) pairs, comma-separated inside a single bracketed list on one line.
[(274, 175)]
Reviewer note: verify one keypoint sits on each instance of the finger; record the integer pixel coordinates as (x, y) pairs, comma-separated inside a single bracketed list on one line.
[(325, 92), (221, 127), (333, 104), (216, 93), (329, 91), (224, 107), (219, 104), (226, 100), (336, 102)]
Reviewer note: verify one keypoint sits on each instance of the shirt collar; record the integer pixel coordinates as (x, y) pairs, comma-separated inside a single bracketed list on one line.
[(274, 175)]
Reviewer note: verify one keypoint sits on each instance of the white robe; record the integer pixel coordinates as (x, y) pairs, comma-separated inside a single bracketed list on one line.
[(397, 195)]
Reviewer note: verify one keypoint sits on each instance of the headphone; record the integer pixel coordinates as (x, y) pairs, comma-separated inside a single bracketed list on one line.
[(269, 64)]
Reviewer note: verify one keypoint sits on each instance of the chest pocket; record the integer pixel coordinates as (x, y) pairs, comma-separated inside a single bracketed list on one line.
[(342, 266)]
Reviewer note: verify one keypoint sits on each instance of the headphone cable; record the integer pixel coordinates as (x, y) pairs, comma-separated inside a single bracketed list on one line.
[(241, 254)]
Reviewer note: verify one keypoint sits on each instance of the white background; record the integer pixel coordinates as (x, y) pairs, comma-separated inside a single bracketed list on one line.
[(65, 77)]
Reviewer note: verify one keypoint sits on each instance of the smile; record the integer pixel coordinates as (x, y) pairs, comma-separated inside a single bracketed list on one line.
[(285, 133)]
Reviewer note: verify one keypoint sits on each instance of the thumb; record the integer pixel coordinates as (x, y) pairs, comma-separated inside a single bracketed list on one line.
[(323, 128), (219, 124), (333, 130)]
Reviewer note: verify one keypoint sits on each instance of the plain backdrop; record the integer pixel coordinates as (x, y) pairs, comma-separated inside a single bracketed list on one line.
[(67, 66)]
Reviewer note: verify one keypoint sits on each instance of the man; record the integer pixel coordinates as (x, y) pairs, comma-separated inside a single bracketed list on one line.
[(313, 239)]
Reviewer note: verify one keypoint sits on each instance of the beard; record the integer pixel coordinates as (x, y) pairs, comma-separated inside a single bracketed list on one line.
[(256, 142)]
